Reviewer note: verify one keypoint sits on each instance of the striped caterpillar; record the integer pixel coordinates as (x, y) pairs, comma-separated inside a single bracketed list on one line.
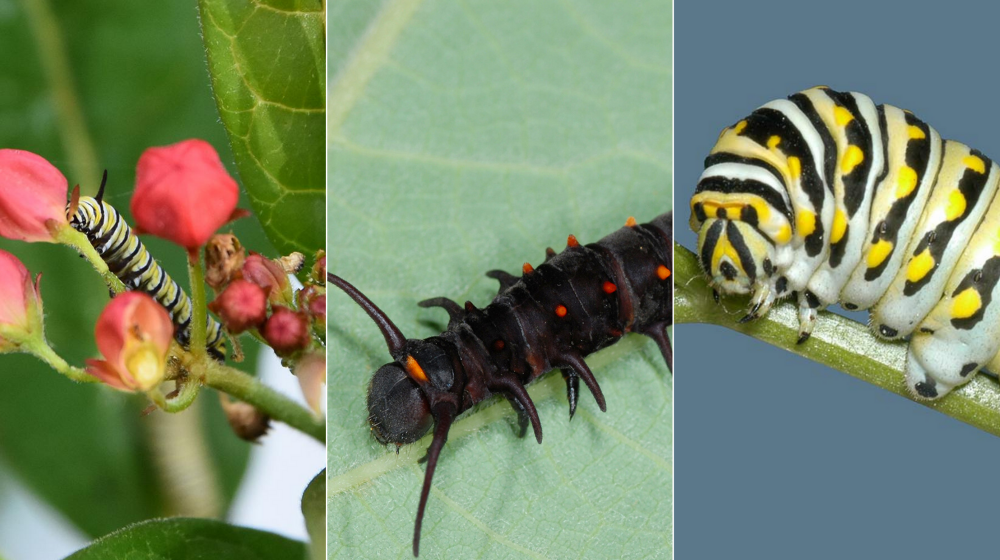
[(128, 259), (827, 196), (575, 303)]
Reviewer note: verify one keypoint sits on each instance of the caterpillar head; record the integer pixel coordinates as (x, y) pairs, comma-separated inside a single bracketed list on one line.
[(734, 254), (406, 396)]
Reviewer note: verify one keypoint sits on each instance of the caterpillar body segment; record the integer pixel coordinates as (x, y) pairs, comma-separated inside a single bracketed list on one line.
[(128, 259), (829, 197)]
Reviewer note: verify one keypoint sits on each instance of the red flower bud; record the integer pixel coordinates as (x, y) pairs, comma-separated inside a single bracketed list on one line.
[(268, 275), (32, 197), (311, 372), (183, 193), (241, 305), (318, 273), (133, 333), (286, 331), (312, 300), (20, 303)]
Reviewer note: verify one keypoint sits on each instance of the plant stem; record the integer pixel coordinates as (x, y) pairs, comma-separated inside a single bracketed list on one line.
[(249, 390), (44, 352), (185, 397), (199, 313), (837, 342), (69, 236)]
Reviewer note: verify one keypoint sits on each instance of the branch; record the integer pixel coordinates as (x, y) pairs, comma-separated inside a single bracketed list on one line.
[(837, 342)]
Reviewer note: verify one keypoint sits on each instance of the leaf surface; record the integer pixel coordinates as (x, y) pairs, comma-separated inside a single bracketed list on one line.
[(465, 137), (268, 61), (191, 539)]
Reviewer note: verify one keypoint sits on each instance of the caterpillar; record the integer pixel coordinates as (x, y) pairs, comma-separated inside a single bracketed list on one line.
[(128, 259), (831, 198), (575, 303)]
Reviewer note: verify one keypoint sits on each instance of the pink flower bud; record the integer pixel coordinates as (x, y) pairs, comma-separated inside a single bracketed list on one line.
[(268, 275), (241, 305), (311, 372), (286, 331), (312, 301), (133, 333), (32, 197), (20, 303), (183, 193)]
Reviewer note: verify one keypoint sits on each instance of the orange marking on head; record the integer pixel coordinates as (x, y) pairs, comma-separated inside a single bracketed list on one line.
[(630, 222), (571, 241), (498, 344), (663, 272), (416, 372), (561, 310), (609, 288), (527, 269)]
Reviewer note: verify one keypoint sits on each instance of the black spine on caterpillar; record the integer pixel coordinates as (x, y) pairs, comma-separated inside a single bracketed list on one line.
[(575, 303), (128, 259)]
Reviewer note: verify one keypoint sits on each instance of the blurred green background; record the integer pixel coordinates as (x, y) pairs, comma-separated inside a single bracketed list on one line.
[(89, 84)]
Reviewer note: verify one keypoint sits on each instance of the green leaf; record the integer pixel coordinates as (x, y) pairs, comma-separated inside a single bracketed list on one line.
[(267, 60), (314, 511), (837, 341), (190, 539), (465, 137), (94, 83)]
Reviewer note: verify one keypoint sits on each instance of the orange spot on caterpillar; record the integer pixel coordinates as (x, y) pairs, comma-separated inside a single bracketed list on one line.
[(630, 222), (609, 288), (498, 345), (561, 310), (527, 269), (571, 241), (663, 272), (415, 371)]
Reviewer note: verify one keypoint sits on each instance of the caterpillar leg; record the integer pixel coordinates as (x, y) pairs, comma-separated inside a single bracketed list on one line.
[(927, 384), (760, 302), (809, 306)]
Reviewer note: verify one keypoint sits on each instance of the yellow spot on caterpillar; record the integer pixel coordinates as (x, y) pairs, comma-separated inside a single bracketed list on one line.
[(805, 223), (919, 266), (839, 226), (966, 303), (956, 205), (879, 252), (852, 157), (724, 248), (974, 163), (794, 167), (784, 234), (842, 115), (773, 142), (906, 181), (416, 372), (740, 126), (915, 132)]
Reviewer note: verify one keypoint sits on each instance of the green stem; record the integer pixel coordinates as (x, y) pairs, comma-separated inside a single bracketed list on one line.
[(69, 236), (279, 407), (185, 397), (44, 352), (837, 342), (199, 312)]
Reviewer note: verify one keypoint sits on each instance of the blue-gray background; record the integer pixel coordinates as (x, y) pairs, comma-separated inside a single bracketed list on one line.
[(776, 456)]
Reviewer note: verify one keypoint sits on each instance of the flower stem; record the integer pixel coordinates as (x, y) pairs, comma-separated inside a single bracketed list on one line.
[(837, 342), (44, 352), (185, 397), (199, 313), (69, 236), (249, 390)]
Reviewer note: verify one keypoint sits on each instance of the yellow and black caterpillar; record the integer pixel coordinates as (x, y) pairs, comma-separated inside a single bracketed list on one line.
[(827, 196), (129, 260)]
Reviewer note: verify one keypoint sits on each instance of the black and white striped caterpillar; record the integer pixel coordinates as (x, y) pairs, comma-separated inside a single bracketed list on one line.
[(835, 199), (575, 303), (128, 259)]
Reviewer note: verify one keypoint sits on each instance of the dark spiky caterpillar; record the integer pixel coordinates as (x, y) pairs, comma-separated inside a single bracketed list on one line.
[(575, 303)]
